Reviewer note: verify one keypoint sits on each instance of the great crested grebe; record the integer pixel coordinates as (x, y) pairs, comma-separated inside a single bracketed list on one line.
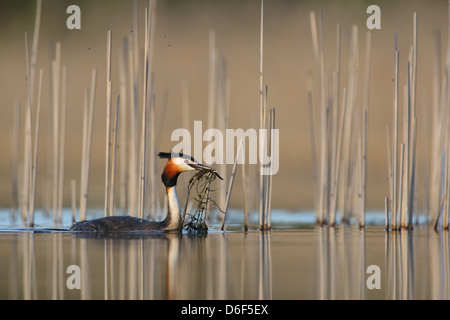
[(176, 164)]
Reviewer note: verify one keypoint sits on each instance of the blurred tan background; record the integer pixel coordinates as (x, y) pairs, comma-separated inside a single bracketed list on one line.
[(181, 52)]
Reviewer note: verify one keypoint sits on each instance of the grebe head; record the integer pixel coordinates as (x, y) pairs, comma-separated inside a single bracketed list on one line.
[(178, 163)]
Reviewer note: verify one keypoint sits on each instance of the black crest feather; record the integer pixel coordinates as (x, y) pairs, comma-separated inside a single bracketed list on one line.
[(165, 155), (169, 155)]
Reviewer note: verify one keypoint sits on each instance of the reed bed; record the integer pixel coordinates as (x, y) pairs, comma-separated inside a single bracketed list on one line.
[(133, 160), (339, 130), (127, 126), (400, 205), (219, 88), (339, 125), (439, 188), (24, 195), (339, 134)]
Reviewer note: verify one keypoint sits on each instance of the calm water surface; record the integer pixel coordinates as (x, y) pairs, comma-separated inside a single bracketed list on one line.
[(301, 262)]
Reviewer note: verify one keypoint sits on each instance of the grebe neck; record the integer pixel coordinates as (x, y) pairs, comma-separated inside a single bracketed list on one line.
[(173, 218)]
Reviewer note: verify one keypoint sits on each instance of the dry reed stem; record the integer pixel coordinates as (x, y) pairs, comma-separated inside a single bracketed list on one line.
[(24, 197), (151, 181), (133, 72), (133, 164), (395, 141), (146, 102), (272, 146), (56, 81), (402, 171), (446, 190), (88, 144), (366, 120), (314, 128), (336, 176), (334, 136), (323, 177), (62, 140), (15, 160), (265, 178), (108, 122), (26, 166), (244, 188), (261, 116), (352, 159), (314, 153), (124, 147), (230, 185), (113, 160), (84, 150), (433, 186), (73, 189), (413, 171), (36, 147), (222, 116), (386, 212), (143, 145), (336, 111), (390, 163), (29, 164)]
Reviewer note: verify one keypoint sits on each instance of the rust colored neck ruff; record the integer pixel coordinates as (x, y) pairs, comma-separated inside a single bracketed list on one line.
[(170, 174)]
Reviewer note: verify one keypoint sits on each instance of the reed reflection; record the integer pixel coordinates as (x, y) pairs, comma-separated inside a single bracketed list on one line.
[(140, 266), (232, 265), (415, 265), (418, 265), (339, 261)]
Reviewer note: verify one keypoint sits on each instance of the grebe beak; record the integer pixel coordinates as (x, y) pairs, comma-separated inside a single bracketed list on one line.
[(199, 166)]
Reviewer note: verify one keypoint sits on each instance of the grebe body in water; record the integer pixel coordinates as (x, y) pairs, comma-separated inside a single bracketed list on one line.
[(176, 164)]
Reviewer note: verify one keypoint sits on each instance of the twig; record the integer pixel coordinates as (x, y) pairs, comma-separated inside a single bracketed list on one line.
[(202, 181)]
